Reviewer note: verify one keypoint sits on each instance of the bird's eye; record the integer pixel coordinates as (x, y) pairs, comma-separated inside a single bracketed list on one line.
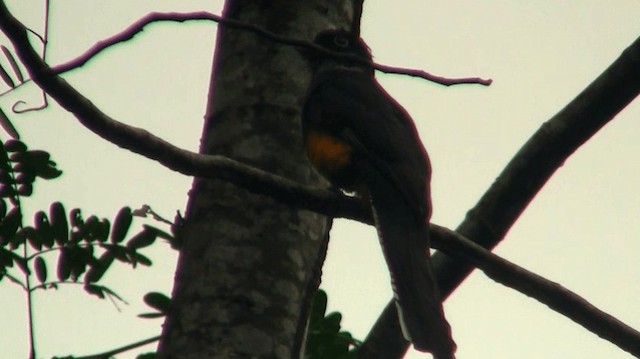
[(341, 41)]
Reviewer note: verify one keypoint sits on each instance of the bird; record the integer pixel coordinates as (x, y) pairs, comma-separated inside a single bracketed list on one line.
[(364, 142)]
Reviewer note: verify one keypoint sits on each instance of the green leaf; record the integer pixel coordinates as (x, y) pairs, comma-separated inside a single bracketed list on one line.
[(157, 301), (318, 308), (121, 225), (41, 269), (42, 226), (331, 322)]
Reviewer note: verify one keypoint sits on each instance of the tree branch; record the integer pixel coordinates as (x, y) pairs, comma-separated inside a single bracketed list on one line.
[(545, 291), (138, 26), (488, 222)]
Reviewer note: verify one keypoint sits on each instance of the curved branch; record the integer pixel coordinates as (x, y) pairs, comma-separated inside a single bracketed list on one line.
[(488, 222), (138, 26)]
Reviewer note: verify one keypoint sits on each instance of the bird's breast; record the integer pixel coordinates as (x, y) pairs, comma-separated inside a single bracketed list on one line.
[(328, 154)]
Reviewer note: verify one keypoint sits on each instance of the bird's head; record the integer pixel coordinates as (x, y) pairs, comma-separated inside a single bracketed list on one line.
[(339, 42)]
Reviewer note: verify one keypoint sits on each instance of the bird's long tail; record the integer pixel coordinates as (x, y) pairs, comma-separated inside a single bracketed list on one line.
[(405, 242)]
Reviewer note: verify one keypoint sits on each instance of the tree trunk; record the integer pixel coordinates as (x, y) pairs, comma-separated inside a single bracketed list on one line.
[(249, 266)]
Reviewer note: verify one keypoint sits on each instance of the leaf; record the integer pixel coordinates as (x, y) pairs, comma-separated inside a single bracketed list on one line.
[(21, 263), (41, 269), (151, 315), (7, 126), (6, 258), (331, 322), (143, 239), (318, 308), (96, 290), (59, 224), (157, 301), (75, 216), (159, 233), (36, 163), (91, 228), (121, 225), (79, 259), (118, 252), (97, 271), (42, 226), (64, 267), (15, 145), (25, 190), (6, 78), (138, 258), (147, 356), (14, 64), (32, 237), (10, 223)]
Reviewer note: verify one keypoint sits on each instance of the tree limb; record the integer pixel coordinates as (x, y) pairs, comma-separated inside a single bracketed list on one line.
[(138, 26), (488, 222)]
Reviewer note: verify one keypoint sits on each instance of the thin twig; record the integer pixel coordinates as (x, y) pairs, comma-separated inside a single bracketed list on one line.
[(138, 26)]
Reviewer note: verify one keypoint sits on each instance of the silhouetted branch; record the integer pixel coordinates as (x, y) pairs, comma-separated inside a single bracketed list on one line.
[(137, 27), (488, 222), (550, 293)]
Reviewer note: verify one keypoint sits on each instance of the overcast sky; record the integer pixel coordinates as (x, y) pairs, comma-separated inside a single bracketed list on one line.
[(581, 231)]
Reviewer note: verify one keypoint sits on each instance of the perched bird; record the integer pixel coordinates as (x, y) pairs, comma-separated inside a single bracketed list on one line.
[(359, 138)]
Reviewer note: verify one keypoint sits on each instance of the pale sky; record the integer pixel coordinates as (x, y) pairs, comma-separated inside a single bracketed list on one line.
[(581, 231)]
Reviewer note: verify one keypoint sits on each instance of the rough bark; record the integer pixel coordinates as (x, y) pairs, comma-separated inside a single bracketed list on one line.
[(250, 265)]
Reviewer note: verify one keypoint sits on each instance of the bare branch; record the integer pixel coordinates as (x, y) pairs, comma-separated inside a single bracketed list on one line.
[(550, 293), (445, 81), (137, 27)]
